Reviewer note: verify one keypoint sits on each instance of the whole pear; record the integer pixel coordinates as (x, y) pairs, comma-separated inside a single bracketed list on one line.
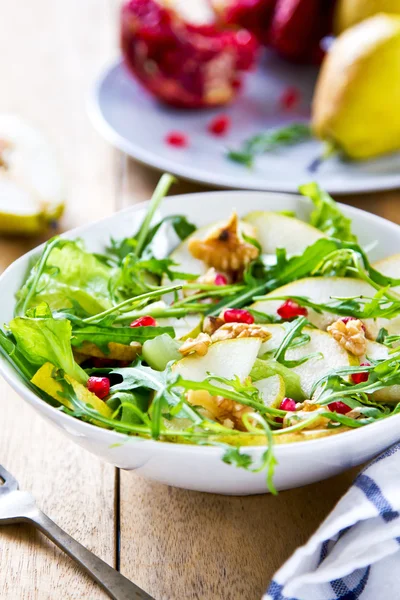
[(356, 105), (351, 12)]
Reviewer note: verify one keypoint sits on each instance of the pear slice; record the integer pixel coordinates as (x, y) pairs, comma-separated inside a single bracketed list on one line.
[(278, 231), (389, 266), (31, 186), (228, 358), (333, 355), (272, 390), (321, 290), (378, 351)]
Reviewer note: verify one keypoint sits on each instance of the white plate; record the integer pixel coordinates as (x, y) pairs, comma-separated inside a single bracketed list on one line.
[(134, 122), (195, 467)]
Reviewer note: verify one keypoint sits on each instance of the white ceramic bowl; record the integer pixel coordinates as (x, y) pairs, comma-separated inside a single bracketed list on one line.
[(201, 468)]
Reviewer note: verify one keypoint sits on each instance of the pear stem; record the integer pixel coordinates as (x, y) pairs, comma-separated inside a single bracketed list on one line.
[(330, 149)]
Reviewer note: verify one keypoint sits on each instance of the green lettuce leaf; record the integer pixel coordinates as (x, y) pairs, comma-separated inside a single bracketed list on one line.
[(69, 278), (327, 215), (40, 338)]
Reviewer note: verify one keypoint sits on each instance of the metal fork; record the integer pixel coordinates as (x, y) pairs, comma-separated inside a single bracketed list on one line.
[(20, 507)]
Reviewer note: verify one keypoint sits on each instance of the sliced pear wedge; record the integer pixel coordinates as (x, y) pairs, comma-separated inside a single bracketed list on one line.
[(390, 266), (278, 231), (31, 185), (378, 351), (332, 355), (228, 358), (321, 290), (272, 390)]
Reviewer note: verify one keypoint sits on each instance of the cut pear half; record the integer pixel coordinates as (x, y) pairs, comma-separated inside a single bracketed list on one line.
[(278, 231), (331, 355), (228, 358), (31, 185), (389, 266), (322, 290)]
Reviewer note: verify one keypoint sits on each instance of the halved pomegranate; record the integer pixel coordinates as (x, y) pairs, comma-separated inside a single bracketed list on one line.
[(184, 57), (254, 15)]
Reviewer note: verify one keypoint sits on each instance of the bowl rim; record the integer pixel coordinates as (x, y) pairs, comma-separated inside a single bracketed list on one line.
[(9, 373)]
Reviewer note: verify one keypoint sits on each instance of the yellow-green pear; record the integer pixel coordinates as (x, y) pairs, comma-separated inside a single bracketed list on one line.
[(351, 12), (357, 97)]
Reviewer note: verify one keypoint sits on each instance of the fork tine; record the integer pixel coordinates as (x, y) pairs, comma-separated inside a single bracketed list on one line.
[(9, 481)]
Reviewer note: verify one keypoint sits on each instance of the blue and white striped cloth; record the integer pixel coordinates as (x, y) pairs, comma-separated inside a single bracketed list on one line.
[(355, 553)]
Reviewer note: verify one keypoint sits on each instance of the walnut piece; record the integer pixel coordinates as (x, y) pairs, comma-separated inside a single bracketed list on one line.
[(350, 335), (226, 411), (303, 412), (211, 324), (230, 331), (224, 248), (198, 345)]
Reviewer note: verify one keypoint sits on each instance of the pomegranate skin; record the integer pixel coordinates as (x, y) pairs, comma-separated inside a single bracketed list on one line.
[(182, 64), (253, 15)]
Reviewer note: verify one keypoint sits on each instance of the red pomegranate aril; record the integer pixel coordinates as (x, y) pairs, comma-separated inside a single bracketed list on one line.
[(99, 386), (290, 309), (177, 139), (220, 125), (347, 319), (361, 377), (288, 404), (220, 279), (290, 98), (238, 315), (145, 321), (339, 407)]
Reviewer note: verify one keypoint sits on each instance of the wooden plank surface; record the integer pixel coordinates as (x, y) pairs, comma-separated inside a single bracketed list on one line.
[(50, 51), (176, 544)]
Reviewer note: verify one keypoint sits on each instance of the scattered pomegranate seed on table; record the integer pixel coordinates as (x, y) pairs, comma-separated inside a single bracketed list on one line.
[(361, 377), (220, 125), (145, 321), (177, 139), (99, 386), (220, 279), (290, 309), (238, 315), (290, 98), (339, 407)]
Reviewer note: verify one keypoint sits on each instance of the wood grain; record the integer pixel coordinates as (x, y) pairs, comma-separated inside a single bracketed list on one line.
[(50, 51), (174, 543)]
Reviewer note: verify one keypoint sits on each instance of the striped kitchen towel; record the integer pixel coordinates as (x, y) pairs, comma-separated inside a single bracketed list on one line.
[(355, 553)]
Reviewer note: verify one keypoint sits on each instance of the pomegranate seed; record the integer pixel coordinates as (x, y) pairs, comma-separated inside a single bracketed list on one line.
[(177, 139), (339, 407), (238, 315), (99, 386), (145, 321), (220, 125), (288, 404), (347, 319), (220, 279), (361, 377), (290, 309), (237, 84), (290, 98)]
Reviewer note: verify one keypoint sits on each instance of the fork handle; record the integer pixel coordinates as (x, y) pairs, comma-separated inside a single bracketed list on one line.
[(116, 585)]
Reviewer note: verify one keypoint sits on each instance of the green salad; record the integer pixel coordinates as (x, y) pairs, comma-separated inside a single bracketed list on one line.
[(254, 331)]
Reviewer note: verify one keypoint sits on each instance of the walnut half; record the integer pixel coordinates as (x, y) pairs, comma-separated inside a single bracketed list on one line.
[(350, 335), (222, 409), (225, 248), (231, 331), (198, 345)]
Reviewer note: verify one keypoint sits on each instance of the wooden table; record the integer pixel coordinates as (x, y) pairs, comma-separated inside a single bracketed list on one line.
[(175, 544)]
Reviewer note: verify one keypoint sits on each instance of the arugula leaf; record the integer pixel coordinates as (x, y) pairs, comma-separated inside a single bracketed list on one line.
[(102, 336), (266, 368), (268, 141), (45, 339), (327, 215)]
